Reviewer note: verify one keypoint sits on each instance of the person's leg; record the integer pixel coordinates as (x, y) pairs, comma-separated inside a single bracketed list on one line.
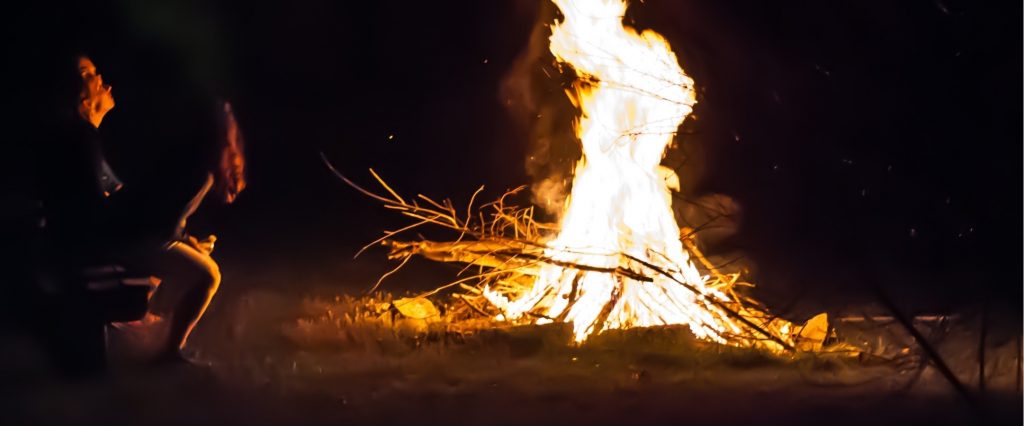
[(196, 277)]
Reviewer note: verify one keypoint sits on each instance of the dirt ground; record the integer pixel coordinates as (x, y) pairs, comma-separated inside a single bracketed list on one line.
[(270, 357)]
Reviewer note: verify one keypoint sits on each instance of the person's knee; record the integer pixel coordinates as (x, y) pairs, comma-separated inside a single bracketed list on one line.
[(212, 279), (196, 268)]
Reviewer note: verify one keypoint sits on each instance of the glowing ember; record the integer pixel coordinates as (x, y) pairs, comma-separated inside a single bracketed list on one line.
[(633, 95)]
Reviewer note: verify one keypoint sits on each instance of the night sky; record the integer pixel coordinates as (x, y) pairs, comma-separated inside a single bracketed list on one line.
[(866, 142)]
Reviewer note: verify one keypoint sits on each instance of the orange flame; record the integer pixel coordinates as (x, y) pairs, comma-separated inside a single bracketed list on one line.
[(633, 95)]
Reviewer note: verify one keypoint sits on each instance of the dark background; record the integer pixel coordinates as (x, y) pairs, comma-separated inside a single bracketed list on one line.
[(868, 142)]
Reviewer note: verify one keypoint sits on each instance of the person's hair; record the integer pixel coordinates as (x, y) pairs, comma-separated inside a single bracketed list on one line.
[(229, 169)]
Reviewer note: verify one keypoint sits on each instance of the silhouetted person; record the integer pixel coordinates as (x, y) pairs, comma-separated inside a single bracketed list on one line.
[(215, 173), (72, 182), (73, 178), (200, 162)]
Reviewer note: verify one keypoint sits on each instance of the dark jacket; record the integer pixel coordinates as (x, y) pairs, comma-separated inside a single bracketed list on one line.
[(73, 183)]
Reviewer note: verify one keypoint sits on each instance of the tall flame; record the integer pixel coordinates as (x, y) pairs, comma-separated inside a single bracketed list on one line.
[(633, 95)]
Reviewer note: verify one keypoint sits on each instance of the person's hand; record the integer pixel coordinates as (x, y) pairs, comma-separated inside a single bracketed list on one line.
[(205, 245)]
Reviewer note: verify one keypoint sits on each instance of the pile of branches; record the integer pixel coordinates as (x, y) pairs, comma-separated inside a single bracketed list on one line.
[(503, 249)]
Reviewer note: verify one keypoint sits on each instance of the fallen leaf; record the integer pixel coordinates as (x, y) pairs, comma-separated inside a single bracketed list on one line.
[(416, 307)]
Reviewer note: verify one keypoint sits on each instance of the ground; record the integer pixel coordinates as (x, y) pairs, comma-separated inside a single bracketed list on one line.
[(275, 357)]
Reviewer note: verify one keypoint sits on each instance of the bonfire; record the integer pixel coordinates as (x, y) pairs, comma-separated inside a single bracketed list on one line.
[(617, 258)]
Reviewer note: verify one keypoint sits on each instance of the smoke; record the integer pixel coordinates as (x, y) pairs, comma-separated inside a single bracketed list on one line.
[(534, 93)]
